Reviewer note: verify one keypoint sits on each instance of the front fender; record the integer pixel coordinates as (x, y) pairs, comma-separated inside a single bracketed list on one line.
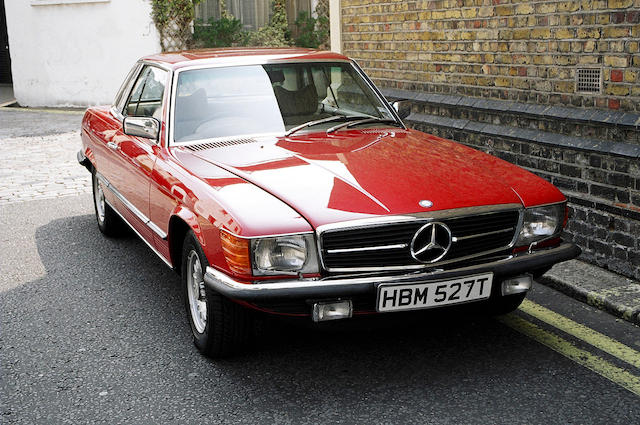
[(181, 221)]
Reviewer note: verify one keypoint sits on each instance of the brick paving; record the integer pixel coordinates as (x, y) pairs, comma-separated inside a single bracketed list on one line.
[(41, 167)]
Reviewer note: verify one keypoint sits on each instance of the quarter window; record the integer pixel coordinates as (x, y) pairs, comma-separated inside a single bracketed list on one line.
[(121, 97), (147, 94)]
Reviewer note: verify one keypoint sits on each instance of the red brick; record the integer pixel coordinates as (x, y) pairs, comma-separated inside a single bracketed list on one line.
[(522, 71), (614, 104), (616, 75)]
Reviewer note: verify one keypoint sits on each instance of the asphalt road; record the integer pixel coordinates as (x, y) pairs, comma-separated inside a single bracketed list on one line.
[(21, 122), (92, 330)]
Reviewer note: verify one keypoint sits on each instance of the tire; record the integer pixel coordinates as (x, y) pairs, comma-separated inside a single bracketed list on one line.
[(505, 304), (109, 223), (219, 326)]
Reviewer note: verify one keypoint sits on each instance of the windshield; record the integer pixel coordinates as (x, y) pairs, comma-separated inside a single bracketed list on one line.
[(263, 99)]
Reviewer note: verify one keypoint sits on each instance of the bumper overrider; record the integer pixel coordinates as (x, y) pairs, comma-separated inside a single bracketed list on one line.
[(347, 286)]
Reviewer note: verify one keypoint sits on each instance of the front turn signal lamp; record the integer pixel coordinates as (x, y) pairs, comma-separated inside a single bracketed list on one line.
[(269, 256), (236, 252)]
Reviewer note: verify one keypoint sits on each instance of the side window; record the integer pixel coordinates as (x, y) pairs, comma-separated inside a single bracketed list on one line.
[(147, 93)]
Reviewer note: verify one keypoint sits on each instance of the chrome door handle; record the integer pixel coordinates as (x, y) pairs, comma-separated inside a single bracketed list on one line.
[(113, 145)]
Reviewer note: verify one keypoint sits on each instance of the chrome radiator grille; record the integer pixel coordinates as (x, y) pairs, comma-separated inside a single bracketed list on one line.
[(384, 246)]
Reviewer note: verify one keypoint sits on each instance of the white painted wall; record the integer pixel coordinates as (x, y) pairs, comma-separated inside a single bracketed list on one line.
[(76, 52)]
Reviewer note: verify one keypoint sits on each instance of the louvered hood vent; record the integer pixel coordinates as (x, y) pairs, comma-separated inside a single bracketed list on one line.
[(380, 131), (218, 143)]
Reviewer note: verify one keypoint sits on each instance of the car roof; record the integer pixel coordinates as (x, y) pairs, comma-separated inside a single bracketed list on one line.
[(240, 56)]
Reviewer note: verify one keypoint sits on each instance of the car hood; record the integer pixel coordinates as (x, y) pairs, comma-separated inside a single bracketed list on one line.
[(365, 173)]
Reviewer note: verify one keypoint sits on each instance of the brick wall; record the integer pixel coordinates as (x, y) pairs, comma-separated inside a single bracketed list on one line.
[(500, 76), (578, 150), (526, 51)]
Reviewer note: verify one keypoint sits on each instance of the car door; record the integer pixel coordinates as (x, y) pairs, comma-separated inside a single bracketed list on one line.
[(130, 174)]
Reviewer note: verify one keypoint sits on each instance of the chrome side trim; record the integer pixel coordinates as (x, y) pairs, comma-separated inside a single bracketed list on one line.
[(368, 248), (139, 235), (132, 207), (478, 235)]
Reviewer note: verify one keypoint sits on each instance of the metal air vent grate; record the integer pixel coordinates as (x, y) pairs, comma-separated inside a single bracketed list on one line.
[(589, 80), (377, 131), (218, 143)]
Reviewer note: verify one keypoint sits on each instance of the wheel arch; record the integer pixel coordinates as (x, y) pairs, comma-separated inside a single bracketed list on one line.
[(181, 221)]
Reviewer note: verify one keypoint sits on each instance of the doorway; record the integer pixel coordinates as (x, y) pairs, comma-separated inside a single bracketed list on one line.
[(6, 81)]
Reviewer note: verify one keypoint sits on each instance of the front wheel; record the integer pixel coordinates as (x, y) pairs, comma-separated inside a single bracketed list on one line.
[(219, 326)]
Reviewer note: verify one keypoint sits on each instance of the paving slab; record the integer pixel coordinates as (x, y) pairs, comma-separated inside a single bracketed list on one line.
[(41, 167)]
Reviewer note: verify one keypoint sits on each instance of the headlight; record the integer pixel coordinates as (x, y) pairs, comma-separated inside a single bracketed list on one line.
[(284, 254), (540, 223)]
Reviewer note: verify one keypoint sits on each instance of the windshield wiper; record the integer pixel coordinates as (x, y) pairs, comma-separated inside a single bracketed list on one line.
[(316, 122), (364, 121)]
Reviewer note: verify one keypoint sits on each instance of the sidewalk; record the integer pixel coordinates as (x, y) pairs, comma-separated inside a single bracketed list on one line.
[(597, 287), (39, 155)]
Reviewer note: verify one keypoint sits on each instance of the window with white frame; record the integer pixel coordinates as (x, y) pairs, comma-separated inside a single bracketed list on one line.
[(253, 14)]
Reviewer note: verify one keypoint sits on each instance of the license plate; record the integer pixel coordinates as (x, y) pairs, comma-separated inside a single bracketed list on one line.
[(434, 294)]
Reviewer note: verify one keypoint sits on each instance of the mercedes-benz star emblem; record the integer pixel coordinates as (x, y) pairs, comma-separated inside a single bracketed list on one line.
[(431, 242)]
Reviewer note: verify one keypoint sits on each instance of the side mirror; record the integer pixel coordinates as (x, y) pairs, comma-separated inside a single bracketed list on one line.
[(146, 127), (402, 107)]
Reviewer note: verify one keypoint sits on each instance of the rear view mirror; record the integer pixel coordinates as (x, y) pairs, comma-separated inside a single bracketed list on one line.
[(146, 127), (402, 107)]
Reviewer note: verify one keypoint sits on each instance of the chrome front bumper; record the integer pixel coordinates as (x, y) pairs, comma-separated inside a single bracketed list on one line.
[(344, 286)]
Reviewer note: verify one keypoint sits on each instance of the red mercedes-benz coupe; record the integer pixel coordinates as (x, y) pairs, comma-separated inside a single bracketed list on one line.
[(281, 180)]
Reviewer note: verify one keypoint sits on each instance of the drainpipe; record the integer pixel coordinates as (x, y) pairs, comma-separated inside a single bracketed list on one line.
[(334, 26)]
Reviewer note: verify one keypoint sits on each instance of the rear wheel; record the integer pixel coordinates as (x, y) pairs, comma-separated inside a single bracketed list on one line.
[(219, 326), (108, 221)]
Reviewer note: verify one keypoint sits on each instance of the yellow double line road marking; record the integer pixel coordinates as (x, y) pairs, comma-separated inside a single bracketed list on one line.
[(585, 358), (588, 335)]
